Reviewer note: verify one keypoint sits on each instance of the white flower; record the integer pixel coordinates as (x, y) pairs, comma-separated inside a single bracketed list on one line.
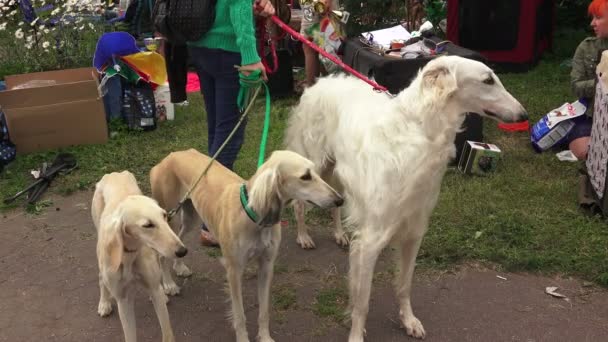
[(29, 45), (5, 8), (20, 23), (81, 27), (91, 26), (13, 12), (3, 26), (55, 11), (46, 30), (35, 21), (46, 45), (19, 34)]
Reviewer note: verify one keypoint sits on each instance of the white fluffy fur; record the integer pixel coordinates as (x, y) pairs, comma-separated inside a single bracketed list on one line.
[(390, 155)]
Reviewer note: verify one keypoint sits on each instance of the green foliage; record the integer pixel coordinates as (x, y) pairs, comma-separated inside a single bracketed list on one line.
[(373, 14), (436, 10)]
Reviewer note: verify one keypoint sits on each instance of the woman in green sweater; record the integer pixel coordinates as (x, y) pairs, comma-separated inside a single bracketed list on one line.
[(231, 41)]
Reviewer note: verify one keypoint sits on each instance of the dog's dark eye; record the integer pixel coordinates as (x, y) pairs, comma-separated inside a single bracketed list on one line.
[(307, 176), (149, 225), (489, 80)]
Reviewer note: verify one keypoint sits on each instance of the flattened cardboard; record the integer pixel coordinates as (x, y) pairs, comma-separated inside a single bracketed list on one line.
[(59, 76), (66, 114)]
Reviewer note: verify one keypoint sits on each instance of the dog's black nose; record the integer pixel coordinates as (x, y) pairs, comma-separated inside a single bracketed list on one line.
[(523, 117), (181, 252), (339, 202)]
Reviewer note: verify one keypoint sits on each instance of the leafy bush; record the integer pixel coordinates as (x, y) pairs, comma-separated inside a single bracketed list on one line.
[(63, 36)]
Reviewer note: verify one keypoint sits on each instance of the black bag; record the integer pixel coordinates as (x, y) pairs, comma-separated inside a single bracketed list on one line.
[(181, 21), (7, 148), (138, 106)]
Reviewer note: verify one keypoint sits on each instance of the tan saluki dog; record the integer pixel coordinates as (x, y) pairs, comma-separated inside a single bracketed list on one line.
[(243, 215), (132, 231)]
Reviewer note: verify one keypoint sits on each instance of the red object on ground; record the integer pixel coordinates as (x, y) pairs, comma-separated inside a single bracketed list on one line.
[(193, 84), (515, 127)]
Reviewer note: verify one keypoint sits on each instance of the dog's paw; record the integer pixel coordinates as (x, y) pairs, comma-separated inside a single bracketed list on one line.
[(265, 339), (342, 239), (305, 241), (171, 289), (104, 309), (413, 327), (182, 270)]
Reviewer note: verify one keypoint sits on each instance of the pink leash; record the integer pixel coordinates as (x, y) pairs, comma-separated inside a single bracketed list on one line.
[(313, 46)]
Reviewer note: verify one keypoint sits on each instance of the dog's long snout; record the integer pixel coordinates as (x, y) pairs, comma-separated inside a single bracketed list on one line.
[(181, 252), (339, 202), (523, 116)]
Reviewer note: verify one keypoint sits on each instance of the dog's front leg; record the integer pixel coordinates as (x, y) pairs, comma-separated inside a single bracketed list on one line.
[(363, 257), (169, 285), (339, 233), (160, 306), (105, 305), (126, 311), (151, 275), (265, 274), (178, 264), (408, 249), (234, 271), (303, 239)]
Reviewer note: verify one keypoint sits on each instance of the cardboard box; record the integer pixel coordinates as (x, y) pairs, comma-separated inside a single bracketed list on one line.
[(478, 158), (63, 109)]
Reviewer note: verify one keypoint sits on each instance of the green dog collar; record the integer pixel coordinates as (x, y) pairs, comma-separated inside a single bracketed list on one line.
[(245, 203)]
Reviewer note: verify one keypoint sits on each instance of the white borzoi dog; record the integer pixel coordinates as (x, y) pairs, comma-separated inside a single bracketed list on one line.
[(390, 155)]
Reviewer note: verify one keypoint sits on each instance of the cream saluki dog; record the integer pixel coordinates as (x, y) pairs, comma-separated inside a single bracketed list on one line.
[(131, 230), (390, 155), (243, 215)]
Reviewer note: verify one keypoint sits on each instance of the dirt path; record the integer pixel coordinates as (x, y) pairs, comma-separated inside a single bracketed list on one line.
[(49, 292)]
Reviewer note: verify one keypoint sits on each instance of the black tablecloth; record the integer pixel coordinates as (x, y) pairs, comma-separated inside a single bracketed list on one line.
[(394, 73)]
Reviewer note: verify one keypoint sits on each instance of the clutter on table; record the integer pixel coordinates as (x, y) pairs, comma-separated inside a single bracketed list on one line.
[(397, 42)]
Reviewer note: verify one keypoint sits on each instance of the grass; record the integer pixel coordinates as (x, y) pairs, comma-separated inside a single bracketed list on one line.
[(331, 303), (524, 217)]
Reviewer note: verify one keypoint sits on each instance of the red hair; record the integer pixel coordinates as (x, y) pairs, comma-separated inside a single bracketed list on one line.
[(597, 8)]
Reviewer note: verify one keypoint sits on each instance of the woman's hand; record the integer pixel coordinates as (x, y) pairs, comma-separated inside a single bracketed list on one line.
[(249, 68), (263, 8)]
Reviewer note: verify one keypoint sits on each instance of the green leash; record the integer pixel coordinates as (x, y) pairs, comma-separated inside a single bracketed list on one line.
[(250, 88), (247, 84)]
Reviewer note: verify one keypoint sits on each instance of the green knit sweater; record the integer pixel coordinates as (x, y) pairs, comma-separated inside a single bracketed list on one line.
[(233, 30)]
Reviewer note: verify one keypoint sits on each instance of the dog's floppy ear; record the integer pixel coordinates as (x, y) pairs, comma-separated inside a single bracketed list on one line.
[(440, 80), (263, 192), (114, 245)]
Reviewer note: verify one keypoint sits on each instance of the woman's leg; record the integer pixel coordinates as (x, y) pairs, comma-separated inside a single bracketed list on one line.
[(204, 60), (580, 136), (227, 112)]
